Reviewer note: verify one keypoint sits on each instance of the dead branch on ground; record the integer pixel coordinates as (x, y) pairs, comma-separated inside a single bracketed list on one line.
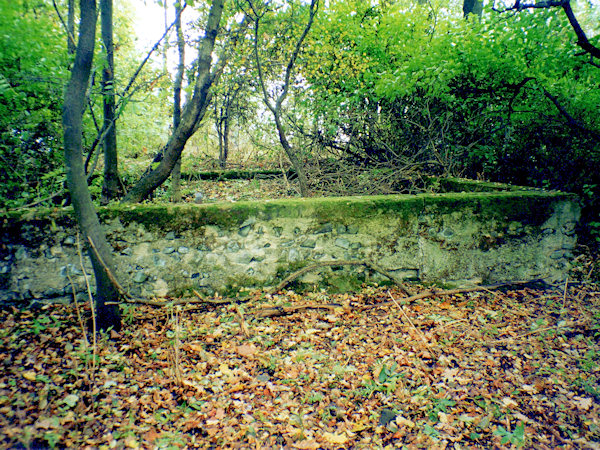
[(277, 311), (434, 293), (368, 264)]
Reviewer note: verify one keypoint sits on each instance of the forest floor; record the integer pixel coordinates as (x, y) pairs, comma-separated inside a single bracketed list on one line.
[(265, 187), (514, 367), (234, 190)]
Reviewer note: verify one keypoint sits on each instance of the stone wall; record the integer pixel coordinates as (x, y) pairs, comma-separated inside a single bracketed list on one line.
[(167, 250)]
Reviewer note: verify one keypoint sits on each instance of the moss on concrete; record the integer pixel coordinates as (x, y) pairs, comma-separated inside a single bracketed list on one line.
[(453, 184), (460, 235), (528, 207)]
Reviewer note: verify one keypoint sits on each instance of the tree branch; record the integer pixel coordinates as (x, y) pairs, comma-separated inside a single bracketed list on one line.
[(573, 123), (314, 7), (582, 39), (62, 21)]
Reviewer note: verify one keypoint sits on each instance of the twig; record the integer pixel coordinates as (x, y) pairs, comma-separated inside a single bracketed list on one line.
[(428, 294), (161, 303), (156, 45), (242, 321), (175, 353), (62, 21), (79, 318), (93, 310), (449, 324), (37, 202), (368, 264), (109, 273), (276, 311), (539, 330), (565, 293), (419, 332)]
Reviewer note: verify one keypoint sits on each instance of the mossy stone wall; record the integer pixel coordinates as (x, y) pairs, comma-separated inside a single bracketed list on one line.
[(162, 250)]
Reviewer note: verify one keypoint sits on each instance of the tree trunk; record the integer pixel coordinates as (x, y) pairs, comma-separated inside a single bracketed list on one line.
[(225, 154), (293, 157), (111, 187), (222, 126), (177, 84), (219, 128), (71, 27), (192, 113), (85, 214), (277, 106), (474, 7)]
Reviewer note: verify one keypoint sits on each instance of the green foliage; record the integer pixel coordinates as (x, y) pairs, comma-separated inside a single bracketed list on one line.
[(419, 85), (386, 379), (33, 70), (515, 437), (440, 405)]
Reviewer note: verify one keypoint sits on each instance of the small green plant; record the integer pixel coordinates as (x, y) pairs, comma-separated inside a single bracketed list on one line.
[(298, 420), (596, 325), (430, 431), (314, 397), (589, 386), (128, 313), (595, 230), (52, 438), (386, 379), (440, 405), (169, 441), (40, 324), (516, 437)]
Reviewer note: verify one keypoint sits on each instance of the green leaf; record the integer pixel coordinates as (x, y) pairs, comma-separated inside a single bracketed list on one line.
[(70, 400)]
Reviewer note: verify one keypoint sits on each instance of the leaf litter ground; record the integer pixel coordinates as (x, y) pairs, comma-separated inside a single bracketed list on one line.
[(518, 367)]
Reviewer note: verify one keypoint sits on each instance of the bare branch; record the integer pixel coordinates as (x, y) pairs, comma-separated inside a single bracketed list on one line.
[(62, 21), (573, 123), (314, 7)]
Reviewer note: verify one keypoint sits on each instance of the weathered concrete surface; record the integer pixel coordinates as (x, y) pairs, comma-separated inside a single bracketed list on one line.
[(165, 250)]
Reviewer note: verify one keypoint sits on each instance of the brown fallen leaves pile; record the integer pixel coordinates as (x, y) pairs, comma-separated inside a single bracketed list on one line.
[(518, 367)]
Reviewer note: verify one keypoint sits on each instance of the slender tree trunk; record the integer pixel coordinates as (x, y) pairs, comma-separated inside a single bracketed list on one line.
[(225, 138), (293, 157), (111, 187), (219, 128), (176, 175), (222, 126), (276, 107), (191, 115), (74, 104), (71, 27)]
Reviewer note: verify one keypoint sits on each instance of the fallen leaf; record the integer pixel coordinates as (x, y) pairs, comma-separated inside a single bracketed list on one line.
[(131, 442), (47, 423), (509, 402), (362, 425), (444, 418), (402, 421), (29, 375), (71, 400), (583, 403), (220, 413), (306, 444), (151, 435), (334, 438), (246, 350)]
